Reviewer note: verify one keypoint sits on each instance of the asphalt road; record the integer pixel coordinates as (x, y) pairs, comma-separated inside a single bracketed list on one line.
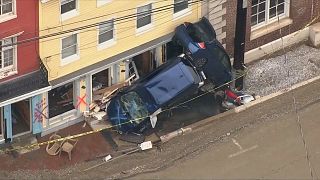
[(263, 141), (271, 150)]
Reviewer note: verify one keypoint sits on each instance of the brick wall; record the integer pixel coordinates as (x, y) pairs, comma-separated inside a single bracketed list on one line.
[(299, 12)]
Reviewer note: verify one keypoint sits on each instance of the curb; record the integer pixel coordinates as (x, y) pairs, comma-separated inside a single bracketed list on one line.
[(241, 108)]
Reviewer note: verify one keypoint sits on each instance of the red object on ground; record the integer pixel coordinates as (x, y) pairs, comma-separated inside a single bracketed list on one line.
[(231, 94)]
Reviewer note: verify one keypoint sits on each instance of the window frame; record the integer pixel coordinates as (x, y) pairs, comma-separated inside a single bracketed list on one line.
[(11, 69), (108, 42), (9, 15), (102, 2), (73, 57), (146, 27), (69, 14), (174, 6), (183, 12), (267, 19)]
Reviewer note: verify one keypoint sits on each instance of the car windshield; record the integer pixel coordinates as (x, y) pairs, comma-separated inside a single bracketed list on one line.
[(134, 105)]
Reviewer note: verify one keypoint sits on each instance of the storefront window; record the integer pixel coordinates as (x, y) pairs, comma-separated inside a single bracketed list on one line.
[(60, 100)]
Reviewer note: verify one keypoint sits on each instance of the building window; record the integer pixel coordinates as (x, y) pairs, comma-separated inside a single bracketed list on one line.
[(144, 15), (180, 5), (267, 11), (106, 30), (61, 100), (69, 46), (7, 54), (6, 7), (68, 5)]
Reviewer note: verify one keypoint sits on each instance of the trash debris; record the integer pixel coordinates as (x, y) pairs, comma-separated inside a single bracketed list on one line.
[(179, 132), (107, 158), (235, 98), (132, 138), (141, 147), (145, 145)]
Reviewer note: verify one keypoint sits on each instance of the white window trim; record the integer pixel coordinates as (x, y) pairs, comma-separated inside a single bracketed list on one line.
[(147, 27), (12, 69), (9, 16), (110, 42), (69, 14), (182, 13), (274, 19), (102, 2), (72, 58)]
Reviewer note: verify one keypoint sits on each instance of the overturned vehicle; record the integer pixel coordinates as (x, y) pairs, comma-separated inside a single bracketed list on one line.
[(204, 67), (135, 108)]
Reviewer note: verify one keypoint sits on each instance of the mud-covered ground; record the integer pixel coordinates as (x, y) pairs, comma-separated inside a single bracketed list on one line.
[(264, 77)]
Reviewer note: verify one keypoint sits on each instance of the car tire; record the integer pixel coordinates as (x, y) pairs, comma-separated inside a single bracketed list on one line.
[(200, 62), (209, 86)]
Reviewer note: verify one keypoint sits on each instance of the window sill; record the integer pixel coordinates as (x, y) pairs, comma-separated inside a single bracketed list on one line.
[(181, 14), (270, 28), (7, 17), (8, 72), (144, 29), (106, 44), (102, 2), (69, 15), (69, 59)]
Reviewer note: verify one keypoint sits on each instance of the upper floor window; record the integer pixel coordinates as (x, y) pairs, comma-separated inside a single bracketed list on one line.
[(6, 6), (144, 15), (7, 53), (68, 5), (106, 31), (180, 5), (267, 11), (69, 46)]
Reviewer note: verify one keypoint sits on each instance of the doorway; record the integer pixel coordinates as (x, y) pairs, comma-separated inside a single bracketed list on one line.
[(101, 80), (145, 63), (20, 113)]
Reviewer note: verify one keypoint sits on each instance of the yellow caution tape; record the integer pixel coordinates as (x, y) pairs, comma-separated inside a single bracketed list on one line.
[(243, 73)]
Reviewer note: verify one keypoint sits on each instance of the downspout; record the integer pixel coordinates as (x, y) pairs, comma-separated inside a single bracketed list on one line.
[(312, 4)]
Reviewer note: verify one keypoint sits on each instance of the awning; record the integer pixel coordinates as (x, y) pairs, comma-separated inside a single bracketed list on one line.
[(23, 87), (122, 56)]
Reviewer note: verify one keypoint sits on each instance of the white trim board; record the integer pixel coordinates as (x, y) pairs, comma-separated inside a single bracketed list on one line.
[(25, 96), (276, 45)]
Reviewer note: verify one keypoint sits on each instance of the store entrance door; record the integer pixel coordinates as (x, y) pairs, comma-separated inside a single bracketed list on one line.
[(21, 116)]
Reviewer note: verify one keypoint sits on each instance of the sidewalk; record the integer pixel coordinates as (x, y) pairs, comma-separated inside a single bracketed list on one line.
[(88, 147)]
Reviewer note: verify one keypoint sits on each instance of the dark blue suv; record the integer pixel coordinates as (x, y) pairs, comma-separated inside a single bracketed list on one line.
[(135, 108)]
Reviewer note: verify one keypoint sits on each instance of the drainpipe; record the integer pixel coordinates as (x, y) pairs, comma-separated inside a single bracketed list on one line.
[(239, 42)]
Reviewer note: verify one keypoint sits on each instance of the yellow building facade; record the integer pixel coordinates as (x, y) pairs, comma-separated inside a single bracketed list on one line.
[(91, 44)]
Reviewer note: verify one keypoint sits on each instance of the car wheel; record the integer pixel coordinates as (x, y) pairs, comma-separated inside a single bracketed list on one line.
[(208, 86), (199, 63)]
